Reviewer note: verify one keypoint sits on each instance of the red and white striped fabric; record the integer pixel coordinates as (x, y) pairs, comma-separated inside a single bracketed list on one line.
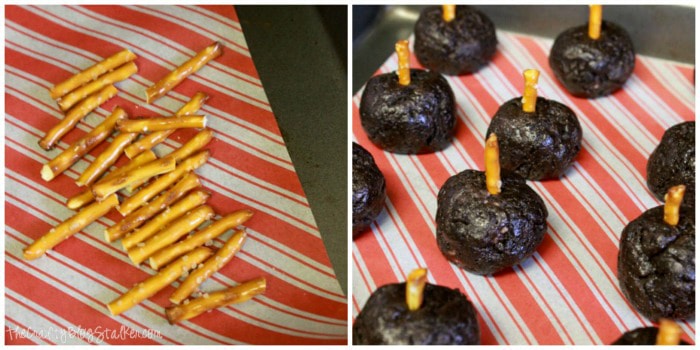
[(61, 297), (567, 293)]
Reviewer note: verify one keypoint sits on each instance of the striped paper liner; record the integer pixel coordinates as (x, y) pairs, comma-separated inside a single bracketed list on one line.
[(60, 298), (567, 292)]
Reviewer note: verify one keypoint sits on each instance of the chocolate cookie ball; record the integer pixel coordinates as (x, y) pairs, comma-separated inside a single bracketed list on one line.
[(673, 163), (539, 145), (445, 318), (656, 264), (416, 118), (457, 47), (484, 233), (592, 68), (640, 336), (368, 189)]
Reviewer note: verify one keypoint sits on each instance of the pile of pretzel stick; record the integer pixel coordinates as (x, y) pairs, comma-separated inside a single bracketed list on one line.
[(161, 199)]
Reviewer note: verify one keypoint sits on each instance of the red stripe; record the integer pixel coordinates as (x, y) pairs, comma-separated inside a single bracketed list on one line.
[(12, 338), (658, 88)]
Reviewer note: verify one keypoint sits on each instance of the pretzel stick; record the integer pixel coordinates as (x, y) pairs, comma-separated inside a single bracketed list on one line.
[(415, 283), (448, 12), (595, 19), (669, 333), (121, 73), (209, 267), (530, 91), (189, 202), (170, 234), (180, 73), (69, 227), (212, 231), (404, 70), (92, 73), (193, 145), (86, 196), (137, 218), (146, 125), (673, 199), (234, 295), (155, 283), (492, 165), (149, 141), (145, 194), (76, 114), (103, 189), (105, 159), (81, 147)]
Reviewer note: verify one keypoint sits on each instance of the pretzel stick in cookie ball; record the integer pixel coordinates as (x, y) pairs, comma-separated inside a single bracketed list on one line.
[(492, 165), (234, 295), (81, 147), (170, 234), (404, 70), (189, 202), (448, 12), (175, 77), (86, 197), (155, 283), (669, 333), (146, 125), (103, 189), (92, 73), (75, 114), (209, 267), (212, 231), (595, 19), (673, 199), (137, 218), (415, 283), (115, 76), (105, 159), (69, 227), (151, 140)]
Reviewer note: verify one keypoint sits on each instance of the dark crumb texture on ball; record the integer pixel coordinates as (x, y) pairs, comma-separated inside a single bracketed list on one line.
[(368, 189), (592, 68), (484, 233), (656, 265), (673, 163), (460, 46), (417, 118), (445, 318), (539, 145), (640, 336)]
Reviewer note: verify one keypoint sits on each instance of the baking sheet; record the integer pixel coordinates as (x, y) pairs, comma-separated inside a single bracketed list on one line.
[(60, 298), (567, 292)]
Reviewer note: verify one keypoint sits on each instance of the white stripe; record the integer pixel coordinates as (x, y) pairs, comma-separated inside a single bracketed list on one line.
[(293, 254), (219, 18), (361, 290), (673, 80)]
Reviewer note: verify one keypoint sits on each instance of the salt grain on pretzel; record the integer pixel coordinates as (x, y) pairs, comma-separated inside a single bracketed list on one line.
[(115, 76), (75, 114), (234, 295), (170, 234), (145, 194), (180, 73), (212, 231), (155, 283), (147, 125), (137, 218), (86, 197), (81, 147), (209, 267), (92, 73), (189, 202), (69, 227), (103, 189), (151, 140), (105, 159)]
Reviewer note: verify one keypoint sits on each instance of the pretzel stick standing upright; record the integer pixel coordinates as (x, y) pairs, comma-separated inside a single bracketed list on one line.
[(415, 283), (86, 196), (212, 231), (170, 234), (595, 19), (175, 77), (145, 194), (404, 70), (153, 284), (74, 115), (81, 147), (492, 170), (137, 218), (189, 202), (669, 333), (115, 76), (673, 199), (146, 125), (234, 295), (69, 227), (530, 92), (149, 141), (448, 12), (103, 189), (92, 73), (209, 267), (105, 159)]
